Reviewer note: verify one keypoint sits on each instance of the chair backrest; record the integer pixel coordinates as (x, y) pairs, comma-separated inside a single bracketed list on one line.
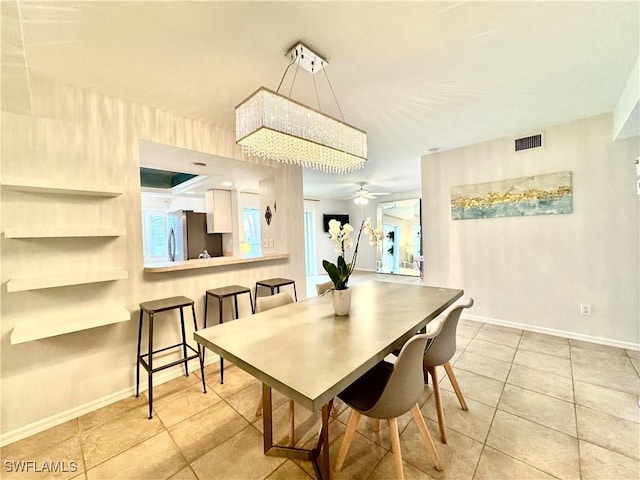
[(273, 301), (406, 383), (323, 287), (443, 347)]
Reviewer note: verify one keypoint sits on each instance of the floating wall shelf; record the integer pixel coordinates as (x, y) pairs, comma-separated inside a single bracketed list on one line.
[(45, 326), (65, 279), (46, 186)]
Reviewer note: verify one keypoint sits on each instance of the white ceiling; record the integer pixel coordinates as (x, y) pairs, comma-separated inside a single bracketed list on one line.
[(415, 75)]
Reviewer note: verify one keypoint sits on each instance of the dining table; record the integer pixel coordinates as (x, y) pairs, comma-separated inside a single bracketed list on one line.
[(310, 355)]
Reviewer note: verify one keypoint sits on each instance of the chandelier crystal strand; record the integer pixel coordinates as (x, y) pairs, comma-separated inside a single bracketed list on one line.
[(272, 126)]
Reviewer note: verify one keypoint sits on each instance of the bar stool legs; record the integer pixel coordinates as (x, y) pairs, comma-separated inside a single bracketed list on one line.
[(138, 355), (222, 293), (146, 359)]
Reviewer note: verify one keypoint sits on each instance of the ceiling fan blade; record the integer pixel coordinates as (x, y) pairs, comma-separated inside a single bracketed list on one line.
[(377, 194)]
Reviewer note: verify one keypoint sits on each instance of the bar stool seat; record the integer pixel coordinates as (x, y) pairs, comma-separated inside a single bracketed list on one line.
[(274, 285), (222, 293), (146, 360)]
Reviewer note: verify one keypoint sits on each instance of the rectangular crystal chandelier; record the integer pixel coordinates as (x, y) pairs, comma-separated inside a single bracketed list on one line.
[(273, 126)]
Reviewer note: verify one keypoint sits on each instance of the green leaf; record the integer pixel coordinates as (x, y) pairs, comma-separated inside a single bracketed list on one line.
[(342, 265), (332, 270)]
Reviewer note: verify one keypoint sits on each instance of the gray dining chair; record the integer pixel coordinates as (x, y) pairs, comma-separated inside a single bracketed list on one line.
[(323, 287), (267, 303), (439, 352), (388, 391)]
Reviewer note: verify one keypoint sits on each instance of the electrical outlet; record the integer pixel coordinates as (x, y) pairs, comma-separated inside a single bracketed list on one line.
[(271, 243), (585, 309), (265, 243)]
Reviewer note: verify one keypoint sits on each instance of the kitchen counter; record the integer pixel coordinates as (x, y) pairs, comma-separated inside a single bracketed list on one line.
[(210, 263)]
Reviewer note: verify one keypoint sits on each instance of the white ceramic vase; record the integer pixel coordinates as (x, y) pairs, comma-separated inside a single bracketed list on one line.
[(342, 301)]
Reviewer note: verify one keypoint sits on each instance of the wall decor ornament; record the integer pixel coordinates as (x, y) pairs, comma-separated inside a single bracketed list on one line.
[(268, 215), (547, 194)]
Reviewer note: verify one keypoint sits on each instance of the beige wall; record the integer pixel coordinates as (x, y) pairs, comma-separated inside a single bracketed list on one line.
[(536, 271), (76, 136)]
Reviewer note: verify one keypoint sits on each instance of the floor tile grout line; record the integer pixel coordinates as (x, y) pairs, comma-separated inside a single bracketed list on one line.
[(493, 417), (529, 420), (166, 429), (120, 452), (575, 411), (84, 461), (539, 393)]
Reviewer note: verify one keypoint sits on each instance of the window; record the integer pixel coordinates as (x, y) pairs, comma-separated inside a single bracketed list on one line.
[(154, 235), (251, 229), (309, 244)]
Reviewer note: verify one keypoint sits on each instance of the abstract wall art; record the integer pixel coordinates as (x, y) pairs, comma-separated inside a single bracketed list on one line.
[(547, 194)]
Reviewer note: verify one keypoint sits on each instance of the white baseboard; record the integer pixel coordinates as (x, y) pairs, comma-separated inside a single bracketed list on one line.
[(159, 378), (557, 333)]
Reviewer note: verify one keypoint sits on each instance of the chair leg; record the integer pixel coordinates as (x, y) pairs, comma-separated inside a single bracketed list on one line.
[(426, 436), (439, 409), (184, 343), (456, 387), (395, 447), (354, 418), (376, 425), (201, 349)]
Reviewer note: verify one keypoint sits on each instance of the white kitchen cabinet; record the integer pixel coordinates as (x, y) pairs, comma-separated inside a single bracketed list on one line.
[(218, 208)]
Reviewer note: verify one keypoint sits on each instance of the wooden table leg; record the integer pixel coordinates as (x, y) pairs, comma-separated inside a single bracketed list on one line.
[(324, 460)]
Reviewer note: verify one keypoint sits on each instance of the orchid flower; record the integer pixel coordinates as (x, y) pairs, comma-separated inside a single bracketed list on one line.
[(342, 236)]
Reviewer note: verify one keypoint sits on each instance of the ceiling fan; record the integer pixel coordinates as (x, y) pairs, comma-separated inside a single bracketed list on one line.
[(362, 196)]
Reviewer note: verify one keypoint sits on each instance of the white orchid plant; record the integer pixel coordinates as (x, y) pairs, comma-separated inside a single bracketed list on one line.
[(340, 271)]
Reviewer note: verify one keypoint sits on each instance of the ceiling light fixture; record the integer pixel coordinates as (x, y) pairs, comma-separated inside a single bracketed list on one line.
[(270, 125), (360, 200)]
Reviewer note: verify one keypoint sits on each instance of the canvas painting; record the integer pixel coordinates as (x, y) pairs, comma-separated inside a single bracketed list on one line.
[(547, 194)]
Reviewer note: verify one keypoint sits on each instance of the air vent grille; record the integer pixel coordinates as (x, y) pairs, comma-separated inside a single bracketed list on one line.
[(526, 143)]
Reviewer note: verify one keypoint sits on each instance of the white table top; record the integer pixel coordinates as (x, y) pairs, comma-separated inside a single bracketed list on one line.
[(309, 354)]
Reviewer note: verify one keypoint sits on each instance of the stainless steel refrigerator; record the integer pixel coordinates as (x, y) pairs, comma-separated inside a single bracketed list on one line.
[(188, 238)]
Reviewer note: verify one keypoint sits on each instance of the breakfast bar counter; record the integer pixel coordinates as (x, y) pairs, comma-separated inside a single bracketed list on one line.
[(210, 262)]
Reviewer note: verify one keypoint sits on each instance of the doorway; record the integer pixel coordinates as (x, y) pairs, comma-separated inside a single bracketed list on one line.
[(401, 242)]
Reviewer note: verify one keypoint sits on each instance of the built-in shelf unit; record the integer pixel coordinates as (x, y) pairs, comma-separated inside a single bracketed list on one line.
[(52, 321)]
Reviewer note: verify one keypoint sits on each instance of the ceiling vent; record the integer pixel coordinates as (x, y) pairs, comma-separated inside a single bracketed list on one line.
[(527, 143)]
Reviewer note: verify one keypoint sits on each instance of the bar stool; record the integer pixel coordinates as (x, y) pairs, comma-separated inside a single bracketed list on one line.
[(274, 285), (222, 293), (151, 308)]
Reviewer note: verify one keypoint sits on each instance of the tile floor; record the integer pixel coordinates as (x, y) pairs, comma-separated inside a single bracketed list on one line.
[(540, 407)]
